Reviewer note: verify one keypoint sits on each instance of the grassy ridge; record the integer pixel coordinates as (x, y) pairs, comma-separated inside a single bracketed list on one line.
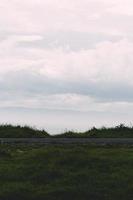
[(120, 131), (9, 131), (62, 173)]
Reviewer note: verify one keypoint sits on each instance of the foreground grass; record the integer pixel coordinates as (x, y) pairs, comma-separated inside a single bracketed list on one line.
[(66, 172)]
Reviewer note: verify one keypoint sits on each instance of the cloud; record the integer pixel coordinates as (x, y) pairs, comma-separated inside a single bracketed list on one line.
[(104, 72), (69, 41), (122, 7), (68, 55), (62, 15)]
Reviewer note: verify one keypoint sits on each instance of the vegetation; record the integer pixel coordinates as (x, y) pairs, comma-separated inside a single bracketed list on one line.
[(120, 131), (66, 172), (9, 131)]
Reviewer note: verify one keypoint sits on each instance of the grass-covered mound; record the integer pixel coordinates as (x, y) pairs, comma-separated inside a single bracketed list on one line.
[(120, 131), (62, 173), (9, 131)]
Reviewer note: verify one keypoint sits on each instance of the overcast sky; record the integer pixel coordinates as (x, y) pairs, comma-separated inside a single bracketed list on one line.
[(66, 63)]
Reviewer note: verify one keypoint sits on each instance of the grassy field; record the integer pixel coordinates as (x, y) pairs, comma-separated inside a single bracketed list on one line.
[(66, 173)]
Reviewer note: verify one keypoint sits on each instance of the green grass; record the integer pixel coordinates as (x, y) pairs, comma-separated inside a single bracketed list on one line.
[(66, 172)]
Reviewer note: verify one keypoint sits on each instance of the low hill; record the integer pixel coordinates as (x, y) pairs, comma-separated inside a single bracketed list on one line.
[(120, 131), (9, 131)]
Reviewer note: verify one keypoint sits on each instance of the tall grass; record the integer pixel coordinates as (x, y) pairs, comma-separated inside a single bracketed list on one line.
[(64, 172)]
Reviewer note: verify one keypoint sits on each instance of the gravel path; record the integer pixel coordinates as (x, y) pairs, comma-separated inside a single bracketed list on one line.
[(99, 141)]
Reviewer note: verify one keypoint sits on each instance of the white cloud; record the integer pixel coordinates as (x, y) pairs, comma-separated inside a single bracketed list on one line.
[(40, 16), (122, 7), (108, 62)]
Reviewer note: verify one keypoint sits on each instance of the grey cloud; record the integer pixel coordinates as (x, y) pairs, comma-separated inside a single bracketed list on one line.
[(26, 83), (74, 41), (118, 22)]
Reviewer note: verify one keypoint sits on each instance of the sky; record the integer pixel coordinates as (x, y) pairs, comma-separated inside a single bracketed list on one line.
[(66, 64)]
